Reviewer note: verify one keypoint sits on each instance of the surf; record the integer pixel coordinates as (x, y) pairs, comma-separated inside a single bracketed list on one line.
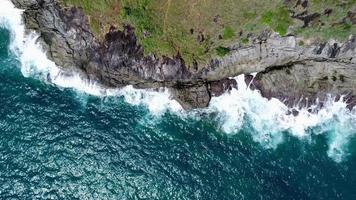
[(268, 119)]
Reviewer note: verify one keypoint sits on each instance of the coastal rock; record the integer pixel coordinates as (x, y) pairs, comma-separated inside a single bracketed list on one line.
[(116, 61), (285, 70), (194, 97), (218, 88), (292, 73), (64, 33), (311, 82)]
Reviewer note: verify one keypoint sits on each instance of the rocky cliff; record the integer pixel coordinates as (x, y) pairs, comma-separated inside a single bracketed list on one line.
[(292, 73), (285, 70)]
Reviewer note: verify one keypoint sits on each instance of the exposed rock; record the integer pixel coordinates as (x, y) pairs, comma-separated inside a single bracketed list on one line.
[(351, 15), (289, 72), (309, 81), (307, 18), (328, 11), (303, 3), (115, 62), (194, 97), (217, 88), (285, 70), (201, 37)]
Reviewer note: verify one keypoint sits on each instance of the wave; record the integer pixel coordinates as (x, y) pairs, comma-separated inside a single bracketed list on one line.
[(34, 63), (267, 119)]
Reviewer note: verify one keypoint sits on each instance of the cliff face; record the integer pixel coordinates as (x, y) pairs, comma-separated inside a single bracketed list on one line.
[(285, 70), (292, 73), (115, 62)]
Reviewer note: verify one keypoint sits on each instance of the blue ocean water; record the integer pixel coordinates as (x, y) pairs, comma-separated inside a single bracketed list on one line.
[(58, 143)]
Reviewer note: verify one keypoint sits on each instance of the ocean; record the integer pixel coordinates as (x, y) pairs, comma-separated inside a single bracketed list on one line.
[(63, 137)]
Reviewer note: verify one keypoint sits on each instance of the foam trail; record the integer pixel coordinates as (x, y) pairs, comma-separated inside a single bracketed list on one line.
[(270, 118), (35, 64)]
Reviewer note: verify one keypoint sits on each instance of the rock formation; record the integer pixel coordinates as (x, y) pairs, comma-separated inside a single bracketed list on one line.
[(284, 69)]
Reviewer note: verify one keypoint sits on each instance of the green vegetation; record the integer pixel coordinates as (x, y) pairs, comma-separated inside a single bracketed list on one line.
[(267, 18), (228, 33), (335, 25), (278, 19), (222, 51), (203, 29), (101, 13)]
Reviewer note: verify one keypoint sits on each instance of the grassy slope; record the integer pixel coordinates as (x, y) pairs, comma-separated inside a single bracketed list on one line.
[(330, 26), (165, 27)]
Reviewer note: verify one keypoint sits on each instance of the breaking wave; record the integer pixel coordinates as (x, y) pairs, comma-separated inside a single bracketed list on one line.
[(267, 119), (34, 63)]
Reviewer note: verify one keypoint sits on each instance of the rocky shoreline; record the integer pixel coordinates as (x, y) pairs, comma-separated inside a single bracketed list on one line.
[(285, 70)]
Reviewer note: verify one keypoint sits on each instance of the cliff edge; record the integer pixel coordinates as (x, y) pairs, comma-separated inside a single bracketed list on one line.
[(286, 69)]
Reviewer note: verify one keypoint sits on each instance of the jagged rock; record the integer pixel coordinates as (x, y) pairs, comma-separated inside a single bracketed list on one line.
[(289, 72), (114, 62), (194, 97), (217, 88), (309, 81), (285, 70)]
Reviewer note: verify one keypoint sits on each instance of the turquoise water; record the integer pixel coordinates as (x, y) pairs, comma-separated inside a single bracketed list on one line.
[(63, 144)]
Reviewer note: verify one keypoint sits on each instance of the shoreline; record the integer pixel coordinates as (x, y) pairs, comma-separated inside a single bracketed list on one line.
[(284, 70)]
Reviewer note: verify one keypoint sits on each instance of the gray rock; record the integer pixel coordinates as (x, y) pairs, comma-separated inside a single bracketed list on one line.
[(302, 83), (292, 73), (285, 70)]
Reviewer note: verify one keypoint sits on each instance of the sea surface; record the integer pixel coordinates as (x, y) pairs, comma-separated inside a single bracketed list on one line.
[(62, 137)]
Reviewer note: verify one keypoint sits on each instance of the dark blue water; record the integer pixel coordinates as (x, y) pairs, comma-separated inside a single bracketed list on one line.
[(61, 144)]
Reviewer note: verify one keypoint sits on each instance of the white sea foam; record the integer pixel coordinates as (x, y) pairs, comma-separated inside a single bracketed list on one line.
[(267, 119), (270, 118), (35, 64)]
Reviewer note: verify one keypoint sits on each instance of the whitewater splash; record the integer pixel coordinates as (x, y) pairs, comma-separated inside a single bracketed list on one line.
[(267, 119), (34, 63)]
